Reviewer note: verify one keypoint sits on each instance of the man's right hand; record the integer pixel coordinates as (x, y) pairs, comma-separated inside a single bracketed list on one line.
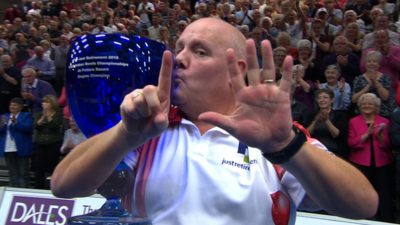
[(145, 111)]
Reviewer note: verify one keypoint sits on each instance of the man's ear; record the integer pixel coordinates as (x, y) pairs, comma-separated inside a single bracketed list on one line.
[(242, 66)]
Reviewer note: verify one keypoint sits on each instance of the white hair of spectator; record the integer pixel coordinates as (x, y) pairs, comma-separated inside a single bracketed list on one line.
[(245, 27), (6, 57), (29, 70), (182, 22), (63, 12), (304, 44), (377, 9), (255, 3), (341, 37), (299, 67), (277, 16), (371, 96), (267, 18), (279, 49), (334, 67), (375, 54), (350, 12)]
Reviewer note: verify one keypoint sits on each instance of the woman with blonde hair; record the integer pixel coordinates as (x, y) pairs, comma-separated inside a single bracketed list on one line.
[(164, 35), (355, 38), (280, 54), (48, 139), (284, 41)]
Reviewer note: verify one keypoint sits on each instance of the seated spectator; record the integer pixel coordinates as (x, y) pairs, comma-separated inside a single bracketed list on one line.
[(87, 15), (154, 31), (59, 56), (293, 27), (300, 112), (181, 27), (100, 28), (329, 126), (320, 43), (43, 66), (244, 29), (347, 61), (387, 8), (10, 83), (42, 30), (355, 39), (374, 15), (144, 33), (16, 144), (280, 54), (304, 92), (77, 33), (34, 90), (269, 32), (373, 81), (361, 7), (327, 28), (284, 41), (381, 23), (371, 151), (390, 58), (75, 21), (86, 29), (67, 31), (22, 54), (72, 138), (225, 11), (47, 139), (309, 63), (340, 88), (164, 35)]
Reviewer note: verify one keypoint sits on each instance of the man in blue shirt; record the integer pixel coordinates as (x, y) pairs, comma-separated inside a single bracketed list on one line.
[(43, 66)]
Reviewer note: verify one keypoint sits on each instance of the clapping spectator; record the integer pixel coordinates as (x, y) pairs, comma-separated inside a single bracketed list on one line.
[(72, 138), (16, 143), (304, 88), (309, 63)]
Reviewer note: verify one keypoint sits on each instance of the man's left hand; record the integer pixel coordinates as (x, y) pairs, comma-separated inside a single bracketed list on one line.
[(262, 117)]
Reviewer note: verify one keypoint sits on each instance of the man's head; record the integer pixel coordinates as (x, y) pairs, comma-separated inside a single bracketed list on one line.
[(244, 29), (39, 52), (29, 75), (17, 22), (87, 7), (382, 22), (340, 44), (63, 15), (16, 105), (350, 16), (73, 125), (100, 21), (28, 17), (381, 38), (329, 4), (182, 25), (6, 61), (177, 8), (64, 40), (201, 52), (53, 25), (85, 27), (232, 19), (292, 17), (202, 7), (132, 25), (163, 7), (375, 12), (321, 14), (256, 34), (182, 3), (317, 26), (155, 19), (144, 33)]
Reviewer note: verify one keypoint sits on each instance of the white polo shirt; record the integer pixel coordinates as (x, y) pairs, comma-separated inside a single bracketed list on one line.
[(184, 177)]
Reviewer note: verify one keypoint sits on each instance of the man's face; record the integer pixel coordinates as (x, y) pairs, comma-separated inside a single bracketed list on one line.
[(132, 25), (163, 7), (17, 22), (177, 7), (245, 3), (322, 16), (53, 26), (257, 35), (292, 17), (171, 16), (87, 7), (374, 14), (33, 32), (317, 28), (381, 38), (29, 78), (182, 3), (340, 46), (103, 5), (39, 52), (6, 63), (200, 68), (99, 22), (232, 19), (85, 27), (28, 17), (328, 4), (382, 22), (202, 7), (256, 14), (15, 108), (350, 17), (155, 20), (64, 40)]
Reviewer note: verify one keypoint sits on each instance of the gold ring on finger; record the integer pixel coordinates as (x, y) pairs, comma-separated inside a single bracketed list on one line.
[(269, 81), (136, 93)]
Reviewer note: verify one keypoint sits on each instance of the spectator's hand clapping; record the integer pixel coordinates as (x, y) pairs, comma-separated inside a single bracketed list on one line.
[(342, 82), (318, 85)]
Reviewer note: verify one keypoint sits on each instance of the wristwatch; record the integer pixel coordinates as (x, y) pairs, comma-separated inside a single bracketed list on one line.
[(289, 151)]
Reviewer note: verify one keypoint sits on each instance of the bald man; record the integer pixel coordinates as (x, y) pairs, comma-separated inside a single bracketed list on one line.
[(214, 158)]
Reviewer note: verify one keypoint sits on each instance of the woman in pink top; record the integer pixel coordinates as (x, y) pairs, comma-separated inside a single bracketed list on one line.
[(371, 152)]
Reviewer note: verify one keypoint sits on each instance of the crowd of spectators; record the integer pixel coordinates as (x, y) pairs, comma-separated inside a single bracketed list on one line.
[(345, 79)]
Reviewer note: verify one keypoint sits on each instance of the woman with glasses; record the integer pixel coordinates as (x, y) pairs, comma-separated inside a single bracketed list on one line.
[(329, 126), (373, 81), (371, 151)]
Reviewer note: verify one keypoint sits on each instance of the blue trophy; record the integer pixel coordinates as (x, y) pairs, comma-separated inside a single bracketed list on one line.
[(101, 70)]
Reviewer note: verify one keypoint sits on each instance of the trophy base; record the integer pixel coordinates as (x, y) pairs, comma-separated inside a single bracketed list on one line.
[(95, 219)]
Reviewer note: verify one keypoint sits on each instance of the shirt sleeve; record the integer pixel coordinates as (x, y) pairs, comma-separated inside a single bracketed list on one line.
[(132, 159)]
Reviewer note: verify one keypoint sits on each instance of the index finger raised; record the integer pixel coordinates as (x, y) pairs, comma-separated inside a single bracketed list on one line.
[(164, 80)]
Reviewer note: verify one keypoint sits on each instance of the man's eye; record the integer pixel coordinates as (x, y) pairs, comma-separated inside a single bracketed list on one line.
[(201, 52)]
